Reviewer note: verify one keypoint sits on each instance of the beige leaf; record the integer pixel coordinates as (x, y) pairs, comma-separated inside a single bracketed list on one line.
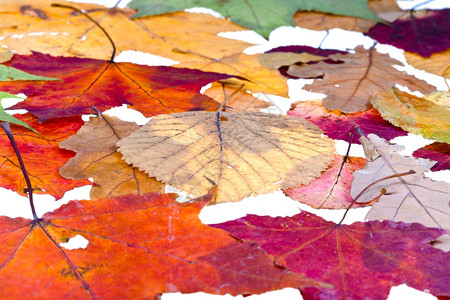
[(97, 157), (276, 60), (243, 153), (350, 85), (441, 98), (5, 54), (411, 198)]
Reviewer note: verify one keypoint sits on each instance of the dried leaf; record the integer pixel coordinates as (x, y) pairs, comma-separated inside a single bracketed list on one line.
[(243, 153), (441, 98), (414, 114), (240, 100), (332, 189), (275, 60), (418, 34), (361, 260), (337, 125), (439, 152), (437, 63), (411, 198), (350, 85), (41, 156), (104, 84), (139, 246), (63, 33), (5, 54), (97, 158)]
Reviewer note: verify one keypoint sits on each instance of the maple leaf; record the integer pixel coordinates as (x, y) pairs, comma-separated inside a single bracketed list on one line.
[(260, 16), (41, 155), (237, 99), (337, 125), (437, 63), (422, 35), (104, 84), (64, 33), (350, 85), (361, 260), (332, 189), (385, 10), (243, 153), (6, 117), (97, 158), (139, 246), (413, 198), (414, 114), (439, 152)]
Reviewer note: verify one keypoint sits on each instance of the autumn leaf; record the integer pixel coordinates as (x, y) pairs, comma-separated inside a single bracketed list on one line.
[(386, 10), (139, 246), (424, 35), (332, 189), (349, 86), (237, 99), (361, 260), (412, 198), (97, 158), (243, 153), (260, 16), (5, 54), (9, 74), (6, 117), (41, 155), (414, 114), (340, 126), (437, 63), (439, 152), (64, 33), (104, 84)]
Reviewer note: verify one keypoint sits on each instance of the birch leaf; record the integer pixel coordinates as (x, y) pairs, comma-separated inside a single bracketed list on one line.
[(243, 153), (411, 198), (414, 114)]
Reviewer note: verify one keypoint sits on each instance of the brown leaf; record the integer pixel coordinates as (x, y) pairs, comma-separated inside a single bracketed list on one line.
[(243, 152), (411, 198), (350, 85), (97, 157), (275, 60)]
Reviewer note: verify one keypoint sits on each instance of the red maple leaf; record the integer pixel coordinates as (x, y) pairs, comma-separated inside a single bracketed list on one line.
[(41, 155), (139, 246), (103, 84)]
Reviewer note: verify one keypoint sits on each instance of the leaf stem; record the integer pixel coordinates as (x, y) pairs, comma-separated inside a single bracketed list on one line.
[(7, 128), (372, 184), (93, 21)]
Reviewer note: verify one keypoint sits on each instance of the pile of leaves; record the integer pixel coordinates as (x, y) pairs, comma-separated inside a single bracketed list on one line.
[(217, 146)]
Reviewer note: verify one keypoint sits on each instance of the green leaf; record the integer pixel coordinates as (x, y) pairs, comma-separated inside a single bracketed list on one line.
[(262, 16), (9, 74), (5, 117)]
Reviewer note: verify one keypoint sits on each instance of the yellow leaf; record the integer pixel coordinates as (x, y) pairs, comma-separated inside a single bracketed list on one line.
[(414, 114)]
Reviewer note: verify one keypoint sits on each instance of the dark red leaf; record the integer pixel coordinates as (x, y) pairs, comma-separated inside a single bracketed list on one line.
[(361, 261), (425, 36), (90, 82), (437, 151), (339, 126)]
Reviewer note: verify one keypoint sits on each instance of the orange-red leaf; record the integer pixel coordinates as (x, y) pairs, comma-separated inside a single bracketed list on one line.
[(90, 82), (41, 155), (139, 246), (361, 260)]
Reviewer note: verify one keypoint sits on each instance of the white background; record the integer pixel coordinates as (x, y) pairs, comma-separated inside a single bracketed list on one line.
[(274, 204)]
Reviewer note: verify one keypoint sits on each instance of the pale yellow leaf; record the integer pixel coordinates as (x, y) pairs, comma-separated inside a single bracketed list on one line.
[(243, 153)]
